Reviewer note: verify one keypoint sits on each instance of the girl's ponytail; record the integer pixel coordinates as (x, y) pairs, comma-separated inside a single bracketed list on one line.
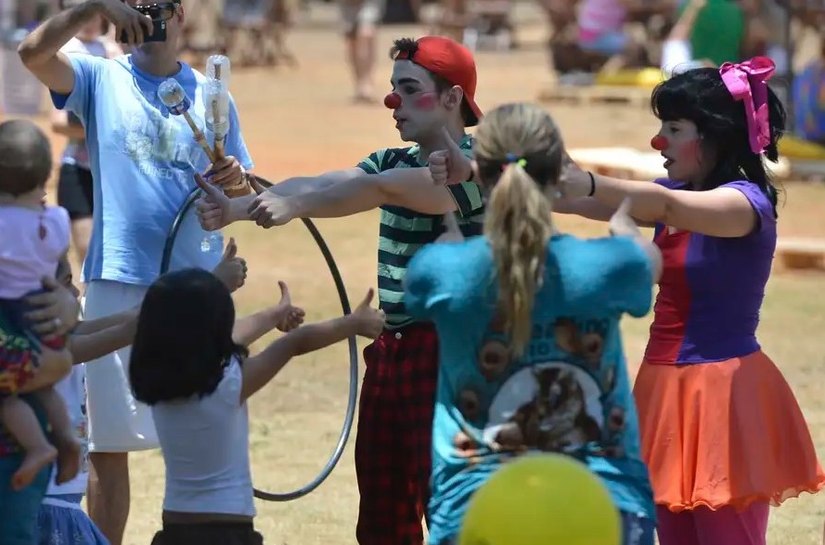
[(518, 225)]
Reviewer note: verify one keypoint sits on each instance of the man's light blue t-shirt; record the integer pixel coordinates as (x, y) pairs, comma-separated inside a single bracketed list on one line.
[(143, 161), (569, 392)]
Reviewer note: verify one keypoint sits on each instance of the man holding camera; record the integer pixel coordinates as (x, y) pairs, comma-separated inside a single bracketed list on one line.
[(143, 164)]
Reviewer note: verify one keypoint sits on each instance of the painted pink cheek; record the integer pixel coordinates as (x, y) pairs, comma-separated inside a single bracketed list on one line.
[(426, 102), (693, 150)]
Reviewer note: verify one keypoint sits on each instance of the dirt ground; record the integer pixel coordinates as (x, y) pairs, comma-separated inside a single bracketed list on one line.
[(300, 122)]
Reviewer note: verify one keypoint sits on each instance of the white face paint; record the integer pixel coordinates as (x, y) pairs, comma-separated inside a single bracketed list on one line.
[(419, 111), (685, 160)]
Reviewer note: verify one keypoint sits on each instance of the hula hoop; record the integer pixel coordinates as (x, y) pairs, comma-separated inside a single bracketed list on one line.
[(353, 347)]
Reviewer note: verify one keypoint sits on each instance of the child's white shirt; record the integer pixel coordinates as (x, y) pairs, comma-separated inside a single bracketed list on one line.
[(205, 446)]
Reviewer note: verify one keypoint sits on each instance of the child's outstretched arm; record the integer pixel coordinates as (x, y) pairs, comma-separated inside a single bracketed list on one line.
[(94, 339), (283, 316), (261, 368)]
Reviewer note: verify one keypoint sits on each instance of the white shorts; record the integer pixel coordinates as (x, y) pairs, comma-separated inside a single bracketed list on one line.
[(117, 423)]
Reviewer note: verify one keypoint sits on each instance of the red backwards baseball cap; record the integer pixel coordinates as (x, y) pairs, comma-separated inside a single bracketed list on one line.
[(451, 61)]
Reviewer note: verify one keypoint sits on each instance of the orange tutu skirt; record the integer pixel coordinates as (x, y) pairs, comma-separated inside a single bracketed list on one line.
[(728, 433)]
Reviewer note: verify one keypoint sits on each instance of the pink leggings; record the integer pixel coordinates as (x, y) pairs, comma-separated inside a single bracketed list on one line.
[(701, 526)]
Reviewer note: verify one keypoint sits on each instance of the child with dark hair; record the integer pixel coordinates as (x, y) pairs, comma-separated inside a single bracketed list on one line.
[(722, 434), (61, 519), (187, 366), (35, 237)]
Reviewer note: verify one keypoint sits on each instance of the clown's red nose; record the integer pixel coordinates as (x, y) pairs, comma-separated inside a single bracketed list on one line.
[(392, 101), (658, 142)]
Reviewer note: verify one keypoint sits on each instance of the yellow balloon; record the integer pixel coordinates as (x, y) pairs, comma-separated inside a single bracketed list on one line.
[(546, 499)]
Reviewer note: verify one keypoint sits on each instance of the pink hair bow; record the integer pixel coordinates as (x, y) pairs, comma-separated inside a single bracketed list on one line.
[(746, 81)]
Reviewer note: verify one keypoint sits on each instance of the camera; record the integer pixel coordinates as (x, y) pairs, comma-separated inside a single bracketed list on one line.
[(160, 14), (158, 33)]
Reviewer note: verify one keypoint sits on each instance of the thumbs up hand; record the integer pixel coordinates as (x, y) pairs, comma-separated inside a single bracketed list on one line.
[(287, 315), (213, 207), (370, 321), (448, 165), (232, 269)]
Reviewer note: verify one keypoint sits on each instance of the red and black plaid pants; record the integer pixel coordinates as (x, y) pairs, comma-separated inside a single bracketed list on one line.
[(392, 448)]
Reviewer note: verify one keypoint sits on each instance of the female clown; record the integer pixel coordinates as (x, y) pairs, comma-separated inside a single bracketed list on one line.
[(722, 434)]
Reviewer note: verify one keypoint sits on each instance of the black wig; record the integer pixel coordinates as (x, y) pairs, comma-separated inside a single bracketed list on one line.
[(700, 96)]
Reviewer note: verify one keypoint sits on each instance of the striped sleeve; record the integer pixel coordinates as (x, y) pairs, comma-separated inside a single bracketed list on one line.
[(374, 163), (467, 196)]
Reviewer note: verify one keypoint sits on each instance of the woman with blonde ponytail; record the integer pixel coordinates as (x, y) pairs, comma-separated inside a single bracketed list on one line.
[(531, 358)]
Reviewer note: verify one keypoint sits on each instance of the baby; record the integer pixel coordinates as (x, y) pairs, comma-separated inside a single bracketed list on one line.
[(33, 238)]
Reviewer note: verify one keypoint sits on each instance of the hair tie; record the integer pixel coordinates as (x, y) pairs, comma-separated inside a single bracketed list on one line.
[(746, 81), (513, 158)]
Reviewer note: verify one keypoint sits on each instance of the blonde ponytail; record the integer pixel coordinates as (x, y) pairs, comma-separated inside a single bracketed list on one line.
[(518, 151), (518, 225)]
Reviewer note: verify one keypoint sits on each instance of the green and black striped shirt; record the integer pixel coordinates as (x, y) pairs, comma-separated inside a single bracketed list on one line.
[(404, 231)]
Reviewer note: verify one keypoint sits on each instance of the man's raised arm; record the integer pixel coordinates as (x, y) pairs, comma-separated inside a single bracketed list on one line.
[(40, 50)]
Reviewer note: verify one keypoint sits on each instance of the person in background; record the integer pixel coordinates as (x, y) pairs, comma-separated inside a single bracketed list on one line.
[(809, 98), (677, 54), (74, 184), (361, 19), (719, 32)]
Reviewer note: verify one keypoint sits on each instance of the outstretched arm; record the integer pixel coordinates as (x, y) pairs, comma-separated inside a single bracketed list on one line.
[(341, 193), (420, 189), (216, 211), (721, 212), (307, 184), (283, 316), (94, 339), (586, 207), (411, 188), (261, 368), (90, 327)]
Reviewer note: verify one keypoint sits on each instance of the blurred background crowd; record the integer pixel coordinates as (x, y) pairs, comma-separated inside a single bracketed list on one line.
[(588, 41)]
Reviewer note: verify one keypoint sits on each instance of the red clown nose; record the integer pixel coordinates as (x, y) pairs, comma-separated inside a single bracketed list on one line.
[(658, 142), (392, 101)]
